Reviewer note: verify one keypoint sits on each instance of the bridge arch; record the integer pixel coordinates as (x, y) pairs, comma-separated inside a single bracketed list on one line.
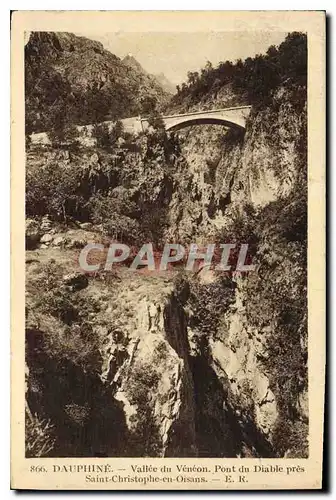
[(234, 117), (188, 122)]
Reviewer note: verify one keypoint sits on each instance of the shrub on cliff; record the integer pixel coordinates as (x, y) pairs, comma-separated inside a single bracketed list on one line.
[(54, 190), (145, 439), (254, 78), (63, 134), (39, 434), (277, 298), (208, 302), (123, 229), (68, 333), (102, 135), (155, 120), (124, 194), (116, 214), (27, 142), (106, 136)]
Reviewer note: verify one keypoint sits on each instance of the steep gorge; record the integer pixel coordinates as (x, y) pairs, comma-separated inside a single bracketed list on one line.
[(176, 363)]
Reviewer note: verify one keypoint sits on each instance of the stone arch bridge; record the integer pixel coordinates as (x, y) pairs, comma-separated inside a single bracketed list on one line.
[(234, 117)]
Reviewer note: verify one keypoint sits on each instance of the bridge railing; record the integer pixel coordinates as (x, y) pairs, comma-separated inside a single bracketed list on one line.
[(208, 111)]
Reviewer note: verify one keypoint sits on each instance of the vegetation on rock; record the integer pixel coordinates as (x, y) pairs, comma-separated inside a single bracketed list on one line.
[(204, 184)]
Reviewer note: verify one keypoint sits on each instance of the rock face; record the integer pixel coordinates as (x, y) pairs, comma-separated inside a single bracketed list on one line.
[(167, 378), (138, 360), (237, 390), (147, 364), (271, 153), (85, 72), (172, 364), (156, 386), (236, 354)]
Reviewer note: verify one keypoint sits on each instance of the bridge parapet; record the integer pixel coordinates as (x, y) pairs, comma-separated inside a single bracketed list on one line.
[(229, 117)]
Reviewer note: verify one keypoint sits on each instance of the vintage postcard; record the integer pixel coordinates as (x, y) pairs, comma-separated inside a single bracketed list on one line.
[(168, 250)]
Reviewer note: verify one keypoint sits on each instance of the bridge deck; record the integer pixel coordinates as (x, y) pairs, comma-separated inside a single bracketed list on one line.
[(137, 123), (207, 111)]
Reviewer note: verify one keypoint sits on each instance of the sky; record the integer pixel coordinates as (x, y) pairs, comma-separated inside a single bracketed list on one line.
[(174, 54)]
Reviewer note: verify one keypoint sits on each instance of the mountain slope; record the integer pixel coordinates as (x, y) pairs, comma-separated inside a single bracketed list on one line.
[(158, 79), (75, 80), (131, 62), (165, 83)]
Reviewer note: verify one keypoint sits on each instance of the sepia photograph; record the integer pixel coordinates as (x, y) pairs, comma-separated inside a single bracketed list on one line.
[(166, 246), (133, 363)]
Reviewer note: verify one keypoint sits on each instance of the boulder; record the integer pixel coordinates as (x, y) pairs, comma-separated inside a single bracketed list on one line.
[(46, 224), (86, 226), (46, 238), (58, 241)]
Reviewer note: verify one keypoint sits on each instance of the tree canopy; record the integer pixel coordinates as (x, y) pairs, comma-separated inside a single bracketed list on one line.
[(256, 77)]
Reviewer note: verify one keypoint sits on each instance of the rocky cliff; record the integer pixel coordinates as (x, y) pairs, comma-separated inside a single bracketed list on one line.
[(172, 363), (76, 80), (252, 188)]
